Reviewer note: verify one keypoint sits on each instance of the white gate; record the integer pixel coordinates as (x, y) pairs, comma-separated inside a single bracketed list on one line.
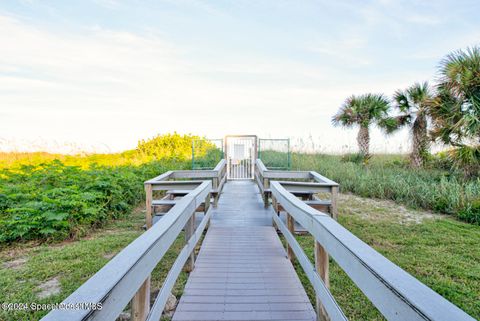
[(240, 153)]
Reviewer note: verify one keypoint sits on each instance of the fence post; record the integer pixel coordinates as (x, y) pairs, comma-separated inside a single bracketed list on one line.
[(321, 265), (291, 228), (189, 230), (333, 206), (266, 185), (148, 205), (206, 207), (215, 185), (140, 303)]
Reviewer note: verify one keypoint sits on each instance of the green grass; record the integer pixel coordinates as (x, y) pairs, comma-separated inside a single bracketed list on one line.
[(72, 263), (390, 177), (441, 252)]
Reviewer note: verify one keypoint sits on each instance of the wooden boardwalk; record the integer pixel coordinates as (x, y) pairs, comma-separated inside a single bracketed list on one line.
[(242, 271)]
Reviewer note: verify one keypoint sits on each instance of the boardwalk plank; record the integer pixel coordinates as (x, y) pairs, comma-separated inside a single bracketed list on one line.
[(242, 271)]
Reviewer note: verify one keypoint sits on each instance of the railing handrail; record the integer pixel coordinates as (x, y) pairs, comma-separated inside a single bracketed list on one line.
[(116, 283), (261, 167), (282, 174), (220, 165), (396, 293), (194, 174)]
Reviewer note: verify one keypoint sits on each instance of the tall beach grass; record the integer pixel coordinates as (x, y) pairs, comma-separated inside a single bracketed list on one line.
[(390, 177)]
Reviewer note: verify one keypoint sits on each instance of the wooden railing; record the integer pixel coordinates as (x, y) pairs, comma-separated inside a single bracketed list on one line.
[(304, 184), (395, 293), (175, 183), (127, 276)]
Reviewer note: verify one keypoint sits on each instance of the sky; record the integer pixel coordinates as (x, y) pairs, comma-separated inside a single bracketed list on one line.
[(99, 75)]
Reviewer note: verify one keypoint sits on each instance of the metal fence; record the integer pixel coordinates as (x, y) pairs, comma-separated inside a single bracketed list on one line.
[(275, 153)]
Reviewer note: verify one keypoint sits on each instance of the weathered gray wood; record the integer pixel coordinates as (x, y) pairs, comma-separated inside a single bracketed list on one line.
[(321, 265), (163, 177), (241, 272), (261, 167), (333, 207), (217, 191), (197, 174), (318, 202), (320, 288), (321, 205), (116, 283), (140, 303), (220, 167), (177, 192), (189, 232), (164, 202), (397, 294), (278, 174), (148, 205), (322, 179), (166, 181), (306, 186), (291, 229), (303, 189), (172, 276), (179, 185)]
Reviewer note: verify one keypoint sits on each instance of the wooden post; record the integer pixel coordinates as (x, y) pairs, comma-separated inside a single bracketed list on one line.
[(189, 230), (148, 205), (275, 205), (215, 185), (333, 206), (206, 207), (291, 228), (275, 208), (140, 304), (321, 265), (207, 203), (266, 185)]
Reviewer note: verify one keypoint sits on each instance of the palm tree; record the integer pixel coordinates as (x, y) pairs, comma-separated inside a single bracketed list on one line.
[(363, 111), (456, 109), (413, 104)]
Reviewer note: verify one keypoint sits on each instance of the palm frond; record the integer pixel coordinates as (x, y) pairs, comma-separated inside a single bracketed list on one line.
[(402, 102), (392, 124), (362, 110)]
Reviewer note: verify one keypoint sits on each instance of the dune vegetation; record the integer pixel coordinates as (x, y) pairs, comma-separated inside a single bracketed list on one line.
[(46, 196)]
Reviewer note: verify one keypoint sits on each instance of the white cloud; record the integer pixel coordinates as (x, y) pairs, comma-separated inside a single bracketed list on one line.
[(108, 87)]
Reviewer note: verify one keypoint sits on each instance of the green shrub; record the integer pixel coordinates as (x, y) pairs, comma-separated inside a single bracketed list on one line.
[(63, 196), (53, 200)]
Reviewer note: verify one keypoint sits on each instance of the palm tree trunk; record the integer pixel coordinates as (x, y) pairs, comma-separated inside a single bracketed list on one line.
[(419, 141), (363, 140)]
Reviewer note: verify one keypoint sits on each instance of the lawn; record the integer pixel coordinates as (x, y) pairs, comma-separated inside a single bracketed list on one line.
[(48, 273)]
